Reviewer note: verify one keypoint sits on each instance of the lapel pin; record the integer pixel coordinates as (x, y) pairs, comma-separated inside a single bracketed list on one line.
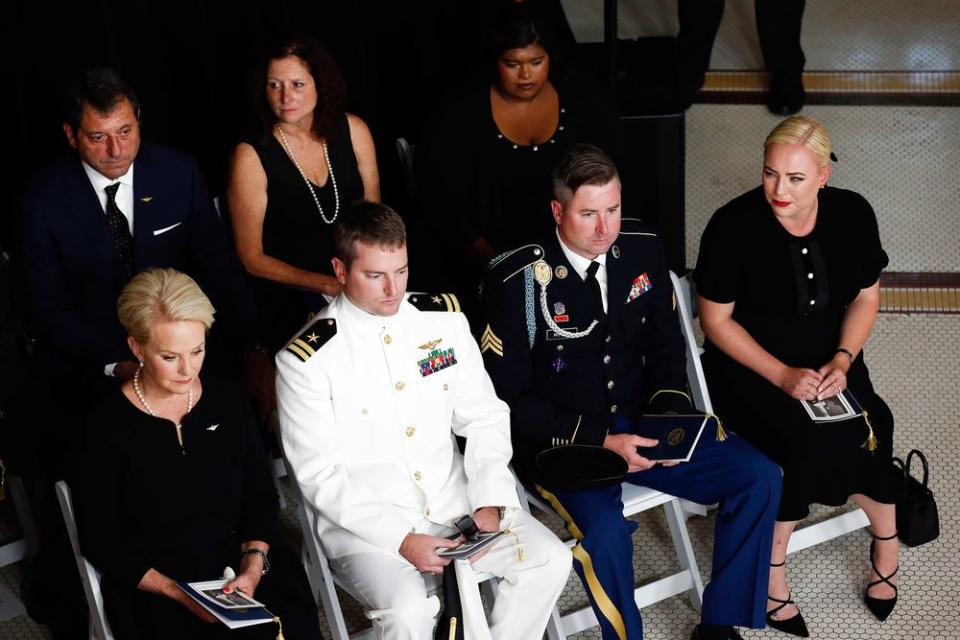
[(213, 427), (615, 250), (146, 198), (561, 272)]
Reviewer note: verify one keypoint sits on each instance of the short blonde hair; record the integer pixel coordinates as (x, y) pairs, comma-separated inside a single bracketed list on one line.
[(805, 131), (159, 295)]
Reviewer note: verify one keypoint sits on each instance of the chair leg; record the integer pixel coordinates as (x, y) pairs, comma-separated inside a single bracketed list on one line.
[(681, 543), (555, 626), (331, 604), (488, 589)]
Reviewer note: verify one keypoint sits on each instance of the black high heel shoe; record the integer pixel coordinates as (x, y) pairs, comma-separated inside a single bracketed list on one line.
[(794, 625), (881, 608)]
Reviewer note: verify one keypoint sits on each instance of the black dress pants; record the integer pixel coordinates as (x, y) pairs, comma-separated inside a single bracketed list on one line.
[(778, 27)]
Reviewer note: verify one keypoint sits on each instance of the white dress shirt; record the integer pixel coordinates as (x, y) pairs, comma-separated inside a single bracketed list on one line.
[(124, 200), (124, 197), (580, 265)]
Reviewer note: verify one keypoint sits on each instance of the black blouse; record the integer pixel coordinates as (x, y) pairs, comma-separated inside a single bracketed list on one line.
[(184, 512), (790, 292), (472, 181)]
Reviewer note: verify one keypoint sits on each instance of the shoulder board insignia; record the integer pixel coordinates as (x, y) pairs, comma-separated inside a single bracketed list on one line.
[(315, 336), (636, 227), (434, 301), (513, 262)]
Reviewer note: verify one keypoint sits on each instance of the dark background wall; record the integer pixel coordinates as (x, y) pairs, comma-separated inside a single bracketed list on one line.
[(191, 63), (191, 60)]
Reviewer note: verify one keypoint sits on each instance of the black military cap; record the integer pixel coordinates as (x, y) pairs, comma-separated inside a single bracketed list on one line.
[(573, 467)]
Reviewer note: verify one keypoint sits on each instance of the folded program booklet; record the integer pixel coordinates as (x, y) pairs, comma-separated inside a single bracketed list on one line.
[(835, 408), (470, 547), (234, 609), (678, 435)]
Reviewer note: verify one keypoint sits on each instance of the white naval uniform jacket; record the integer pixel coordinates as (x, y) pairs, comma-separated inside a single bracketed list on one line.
[(368, 435)]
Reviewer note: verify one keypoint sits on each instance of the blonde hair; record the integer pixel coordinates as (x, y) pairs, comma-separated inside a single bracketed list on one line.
[(805, 131), (158, 295)]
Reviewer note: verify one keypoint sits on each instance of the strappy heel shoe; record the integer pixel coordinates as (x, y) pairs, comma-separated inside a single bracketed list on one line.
[(794, 625), (881, 608)]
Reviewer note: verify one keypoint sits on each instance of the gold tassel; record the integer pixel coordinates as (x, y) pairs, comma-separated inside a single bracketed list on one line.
[(279, 627), (871, 443), (721, 433), (510, 532), (453, 628)]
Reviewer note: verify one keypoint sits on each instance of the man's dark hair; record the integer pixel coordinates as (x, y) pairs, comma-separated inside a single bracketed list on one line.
[(101, 88), (581, 164), (369, 223)]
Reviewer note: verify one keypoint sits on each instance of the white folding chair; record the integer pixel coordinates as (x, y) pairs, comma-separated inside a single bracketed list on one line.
[(802, 538), (20, 548), (89, 576), (638, 499), (323, 581)]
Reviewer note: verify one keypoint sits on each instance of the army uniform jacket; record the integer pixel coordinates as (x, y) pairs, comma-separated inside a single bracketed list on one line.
[(367, 405), (563, 387)]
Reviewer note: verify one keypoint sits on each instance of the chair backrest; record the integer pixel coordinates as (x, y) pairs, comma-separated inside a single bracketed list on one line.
[(405, 154), (698, 383), (99, 627)]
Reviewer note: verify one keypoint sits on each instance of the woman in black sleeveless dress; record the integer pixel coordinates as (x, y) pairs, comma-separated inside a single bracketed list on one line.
[(287, 186)]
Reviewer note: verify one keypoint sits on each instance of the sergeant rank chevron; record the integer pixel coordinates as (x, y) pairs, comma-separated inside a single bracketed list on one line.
[(490, 342)]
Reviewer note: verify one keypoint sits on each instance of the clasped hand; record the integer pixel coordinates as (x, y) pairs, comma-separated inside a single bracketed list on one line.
[(807, 384)]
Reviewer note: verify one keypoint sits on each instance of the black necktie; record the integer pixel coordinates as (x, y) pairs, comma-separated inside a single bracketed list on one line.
[(119, 229), (594, 285)]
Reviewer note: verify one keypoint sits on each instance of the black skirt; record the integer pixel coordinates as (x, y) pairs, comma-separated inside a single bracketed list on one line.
[(822, 463)]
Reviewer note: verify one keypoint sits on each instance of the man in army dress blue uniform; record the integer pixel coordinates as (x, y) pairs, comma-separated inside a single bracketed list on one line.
[(582, 339)]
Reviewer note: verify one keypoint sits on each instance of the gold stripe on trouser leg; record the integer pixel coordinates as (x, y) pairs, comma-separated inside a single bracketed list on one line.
[(604, 603)]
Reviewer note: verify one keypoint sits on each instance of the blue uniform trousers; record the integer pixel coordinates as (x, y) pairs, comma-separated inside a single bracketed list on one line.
[(747, 486)]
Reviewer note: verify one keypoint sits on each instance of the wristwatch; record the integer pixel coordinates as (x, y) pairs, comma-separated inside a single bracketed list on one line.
[(263, 556)]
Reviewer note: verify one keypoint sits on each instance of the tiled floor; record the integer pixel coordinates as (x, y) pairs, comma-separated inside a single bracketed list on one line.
[(852, 35)]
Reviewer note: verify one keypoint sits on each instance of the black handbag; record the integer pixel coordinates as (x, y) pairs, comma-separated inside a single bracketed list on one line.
[(917, 519)]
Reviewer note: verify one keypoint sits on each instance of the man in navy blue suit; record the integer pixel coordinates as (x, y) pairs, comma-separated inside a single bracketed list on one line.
[(90, 221), (98, 216)]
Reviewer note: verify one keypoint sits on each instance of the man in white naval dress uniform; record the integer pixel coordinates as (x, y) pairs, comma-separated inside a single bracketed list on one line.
[(369, 393)]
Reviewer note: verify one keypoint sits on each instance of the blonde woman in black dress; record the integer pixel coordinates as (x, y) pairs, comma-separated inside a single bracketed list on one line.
[(177, 483), (788, 283)]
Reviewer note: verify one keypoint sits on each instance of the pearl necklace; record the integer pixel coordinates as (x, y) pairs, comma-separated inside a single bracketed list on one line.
[(333, 179), (146, 405)]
